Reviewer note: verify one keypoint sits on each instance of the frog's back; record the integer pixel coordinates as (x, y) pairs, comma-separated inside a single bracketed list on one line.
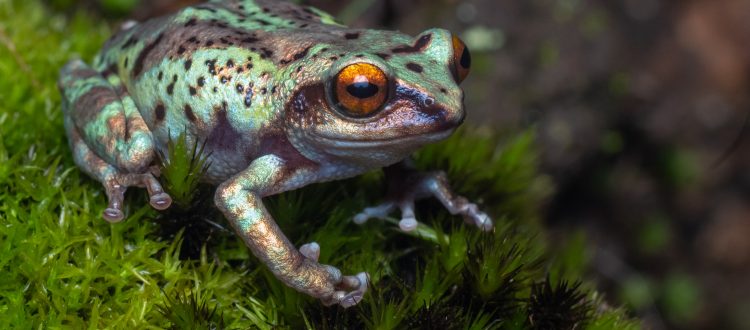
[(216, 70), (219, 23)]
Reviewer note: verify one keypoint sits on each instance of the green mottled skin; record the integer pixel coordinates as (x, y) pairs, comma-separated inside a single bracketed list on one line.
[(252, 79)]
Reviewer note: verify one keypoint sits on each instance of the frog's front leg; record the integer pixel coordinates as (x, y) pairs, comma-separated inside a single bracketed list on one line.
[(110, 140), (405, 185), (239, 199)]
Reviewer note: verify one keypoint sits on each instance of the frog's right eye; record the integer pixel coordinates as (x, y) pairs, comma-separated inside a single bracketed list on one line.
[(461, 59), (360, 89)]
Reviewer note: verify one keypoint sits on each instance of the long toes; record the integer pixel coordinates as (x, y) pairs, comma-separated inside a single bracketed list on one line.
[(160, 201), (349, 291), (380, 211), (310, 251), (113, 215), (361, 218)]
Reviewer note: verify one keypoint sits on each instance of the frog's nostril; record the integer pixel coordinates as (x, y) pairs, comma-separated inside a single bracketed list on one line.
[(442, 118), (434, 110), (428, 102)]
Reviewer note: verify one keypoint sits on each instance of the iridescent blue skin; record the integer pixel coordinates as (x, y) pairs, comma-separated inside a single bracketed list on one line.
[(252, 79)]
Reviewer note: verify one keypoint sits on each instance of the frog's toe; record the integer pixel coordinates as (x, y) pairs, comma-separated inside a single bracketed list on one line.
[(350, 291), (483, 221), (326, 282), (160, 201), (407, 223), (472, 215), (408, 220), (116, 186), (358, 285), (113, 215), (379, 212), (310, 251), (115, 195)]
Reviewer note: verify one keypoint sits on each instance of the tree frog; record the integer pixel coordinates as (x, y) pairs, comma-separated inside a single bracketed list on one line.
[(282, 96)]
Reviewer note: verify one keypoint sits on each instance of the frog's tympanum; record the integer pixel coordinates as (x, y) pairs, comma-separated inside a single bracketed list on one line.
[(282, 96)]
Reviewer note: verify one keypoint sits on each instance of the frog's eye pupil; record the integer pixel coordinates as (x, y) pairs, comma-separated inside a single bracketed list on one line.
[(359, 90), (466, 58), (461, 60), (362, 90)]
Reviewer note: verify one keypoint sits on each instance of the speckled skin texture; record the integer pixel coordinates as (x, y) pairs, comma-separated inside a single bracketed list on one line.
[(253, 80)]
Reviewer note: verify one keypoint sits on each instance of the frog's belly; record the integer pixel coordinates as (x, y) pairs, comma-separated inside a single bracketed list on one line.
[(223, 166)]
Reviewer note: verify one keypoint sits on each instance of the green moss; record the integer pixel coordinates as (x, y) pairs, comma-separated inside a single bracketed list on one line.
[(64, 267)]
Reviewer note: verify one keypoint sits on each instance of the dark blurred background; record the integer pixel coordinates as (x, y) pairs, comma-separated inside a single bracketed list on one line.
[(640, 108)]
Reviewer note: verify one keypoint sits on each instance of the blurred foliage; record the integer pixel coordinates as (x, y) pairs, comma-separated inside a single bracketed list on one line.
[(64, 266), (678, 167), (112, 8), (681, 297), (118, 7), (638, 292), (655, 234)]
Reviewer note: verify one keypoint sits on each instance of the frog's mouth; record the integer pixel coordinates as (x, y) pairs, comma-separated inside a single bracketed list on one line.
[(401, 141)]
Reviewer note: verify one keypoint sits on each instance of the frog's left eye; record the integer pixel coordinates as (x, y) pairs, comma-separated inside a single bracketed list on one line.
[(360, 89), (461, 59)]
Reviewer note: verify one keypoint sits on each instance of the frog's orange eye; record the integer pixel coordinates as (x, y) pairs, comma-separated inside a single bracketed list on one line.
[(461, 60), (360, 89)]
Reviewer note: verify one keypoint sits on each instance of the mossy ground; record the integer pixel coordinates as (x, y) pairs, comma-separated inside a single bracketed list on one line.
[(63, 266)]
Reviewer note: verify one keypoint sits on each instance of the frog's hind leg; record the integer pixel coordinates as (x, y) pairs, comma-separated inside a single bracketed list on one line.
[(109, 138)]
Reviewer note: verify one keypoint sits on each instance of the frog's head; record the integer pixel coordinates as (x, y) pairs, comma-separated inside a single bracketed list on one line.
[(387, 97)]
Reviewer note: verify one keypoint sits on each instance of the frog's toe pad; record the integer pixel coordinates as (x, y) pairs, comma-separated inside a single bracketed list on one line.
[(358, 285), (310, 251), (408, 224), (160, 201), (113, 215), (472, 215), (483, 221)]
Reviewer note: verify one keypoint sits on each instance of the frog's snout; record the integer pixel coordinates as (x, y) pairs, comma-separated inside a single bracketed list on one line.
[(443, 117)]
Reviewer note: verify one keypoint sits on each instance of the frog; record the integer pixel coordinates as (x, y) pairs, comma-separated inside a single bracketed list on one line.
[(281, 96)]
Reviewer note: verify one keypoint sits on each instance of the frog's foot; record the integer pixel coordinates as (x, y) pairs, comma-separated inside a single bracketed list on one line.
[(349, 290), (407, 223), (118, 184), (421, 185), (111, 141)]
